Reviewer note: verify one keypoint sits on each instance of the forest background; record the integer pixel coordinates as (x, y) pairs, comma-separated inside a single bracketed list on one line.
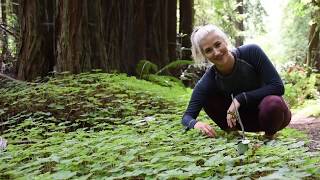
[(84, 88)]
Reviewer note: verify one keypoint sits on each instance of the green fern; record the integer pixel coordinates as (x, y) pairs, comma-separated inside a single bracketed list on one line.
[(145, 67), (175, 64)]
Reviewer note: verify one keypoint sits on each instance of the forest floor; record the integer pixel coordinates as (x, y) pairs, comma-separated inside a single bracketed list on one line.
[(97, 125), (309, 125)]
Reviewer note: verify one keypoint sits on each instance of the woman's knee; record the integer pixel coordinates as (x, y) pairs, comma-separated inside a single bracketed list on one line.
[(274, 114), (272, 103)]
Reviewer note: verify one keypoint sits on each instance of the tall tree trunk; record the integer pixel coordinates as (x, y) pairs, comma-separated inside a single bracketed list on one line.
[(112, 36), (172, 29), (186, 24), (96, 29), (36, 53), (239, 24), (157, 37), (133, 35), (313, 45), (4, 35), (72, 35)]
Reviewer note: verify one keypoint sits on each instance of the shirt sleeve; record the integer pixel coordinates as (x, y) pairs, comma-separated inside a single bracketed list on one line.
[(272, 83), (197, 100)]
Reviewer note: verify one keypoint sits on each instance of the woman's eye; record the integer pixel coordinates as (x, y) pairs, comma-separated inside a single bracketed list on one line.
[(217, 44), (208, 50)]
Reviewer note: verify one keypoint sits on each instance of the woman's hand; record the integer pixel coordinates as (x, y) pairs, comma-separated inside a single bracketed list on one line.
[(231, 113), (205, 129)]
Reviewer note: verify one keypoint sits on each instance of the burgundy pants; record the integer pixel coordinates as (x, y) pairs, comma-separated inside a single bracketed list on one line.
[(270, 116)]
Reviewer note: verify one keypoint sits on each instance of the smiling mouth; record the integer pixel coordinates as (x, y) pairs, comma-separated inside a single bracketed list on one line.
[(219, 58)]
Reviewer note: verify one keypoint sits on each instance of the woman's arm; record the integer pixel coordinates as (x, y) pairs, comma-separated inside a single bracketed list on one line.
[(197, 100), (194, 107), (273, 85)]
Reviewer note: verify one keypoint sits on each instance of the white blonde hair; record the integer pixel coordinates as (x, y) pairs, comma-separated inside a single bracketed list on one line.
[(198, 34)]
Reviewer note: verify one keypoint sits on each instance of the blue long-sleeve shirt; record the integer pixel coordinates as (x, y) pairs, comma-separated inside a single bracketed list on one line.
[(253, 77)]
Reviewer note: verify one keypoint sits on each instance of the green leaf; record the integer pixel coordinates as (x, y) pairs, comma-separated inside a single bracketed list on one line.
[(63, 175), (56, 106), (297, 144), (182, 158)]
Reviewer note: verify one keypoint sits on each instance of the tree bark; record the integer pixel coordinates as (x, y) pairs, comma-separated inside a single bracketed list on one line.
[(72, 34), (112, 18), (96, 29), (186, 24), (36, 52), (97, 34), (133, 35), (172, 29), (313, 44), (157, 37)]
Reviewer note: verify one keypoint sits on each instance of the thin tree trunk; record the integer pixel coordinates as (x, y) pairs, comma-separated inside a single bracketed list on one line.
[(313, 44)]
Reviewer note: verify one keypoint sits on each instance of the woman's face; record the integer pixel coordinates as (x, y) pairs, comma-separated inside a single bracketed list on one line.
[(215, 48)]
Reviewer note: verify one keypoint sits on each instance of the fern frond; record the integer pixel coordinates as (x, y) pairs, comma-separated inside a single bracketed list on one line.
[(174, 64), (146, 67)]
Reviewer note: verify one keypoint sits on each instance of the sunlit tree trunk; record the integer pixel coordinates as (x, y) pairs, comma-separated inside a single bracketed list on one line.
[(36, 52), (186, 24), (313, 43)]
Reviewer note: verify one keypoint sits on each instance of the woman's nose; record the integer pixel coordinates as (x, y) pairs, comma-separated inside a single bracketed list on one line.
[(215, 52)]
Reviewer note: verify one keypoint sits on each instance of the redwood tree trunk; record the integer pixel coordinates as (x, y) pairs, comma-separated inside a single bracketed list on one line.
[(109, 35), (186, 24), (112, 36), (172, 29), (36, 53), (96, 29), (72, 35), (157, 37), (133, 35)]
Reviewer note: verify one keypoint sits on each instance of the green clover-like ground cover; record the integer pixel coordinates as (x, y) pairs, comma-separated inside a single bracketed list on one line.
[(108, 126)]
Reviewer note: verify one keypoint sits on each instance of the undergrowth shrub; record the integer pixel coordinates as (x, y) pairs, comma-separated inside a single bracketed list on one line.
[(299, 86)]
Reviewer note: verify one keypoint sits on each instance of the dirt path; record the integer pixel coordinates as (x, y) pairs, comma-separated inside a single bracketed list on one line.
[(310, 125)]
